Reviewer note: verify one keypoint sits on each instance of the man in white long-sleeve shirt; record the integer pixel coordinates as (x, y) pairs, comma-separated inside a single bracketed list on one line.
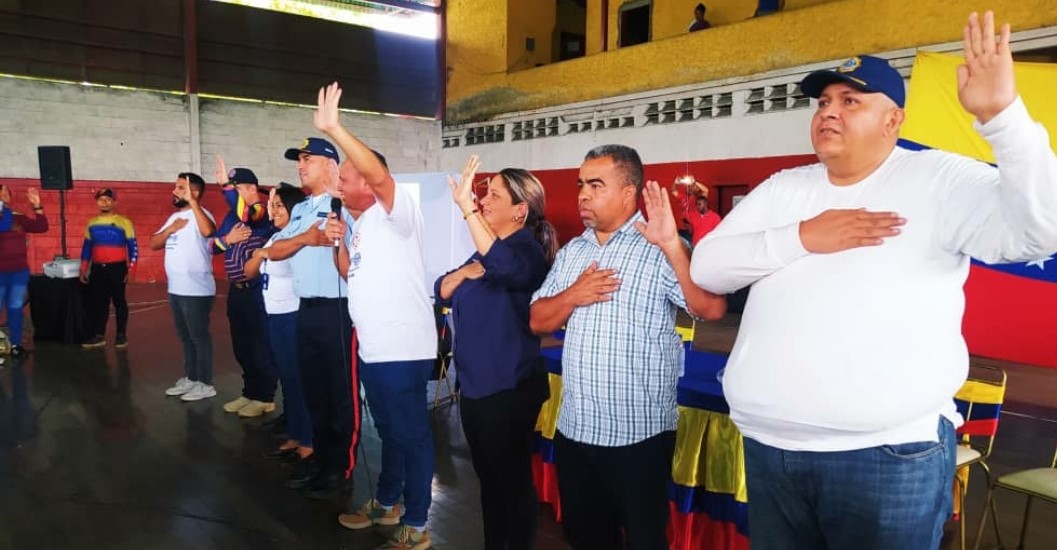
[(850, 347)]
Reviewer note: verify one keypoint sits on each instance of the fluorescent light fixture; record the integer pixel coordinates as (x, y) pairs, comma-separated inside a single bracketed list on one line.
[(384, 18)]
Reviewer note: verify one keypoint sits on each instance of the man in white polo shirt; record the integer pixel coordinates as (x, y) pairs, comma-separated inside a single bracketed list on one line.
[(393, 315), (192, 289), (850, 348)]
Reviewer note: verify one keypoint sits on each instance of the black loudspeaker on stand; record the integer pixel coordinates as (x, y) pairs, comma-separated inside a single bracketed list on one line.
[(56, 175)]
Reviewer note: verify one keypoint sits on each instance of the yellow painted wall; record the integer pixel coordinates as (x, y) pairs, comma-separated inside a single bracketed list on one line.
[(533, 18), (824, 31), (672, 17), (476, 49), (797, 4), (594, 33)]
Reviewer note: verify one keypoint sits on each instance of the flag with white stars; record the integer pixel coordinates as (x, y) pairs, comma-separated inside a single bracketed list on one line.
[(1008, 307)]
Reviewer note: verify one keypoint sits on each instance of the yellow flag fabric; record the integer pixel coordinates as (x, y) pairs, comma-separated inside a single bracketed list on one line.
[(936, 119)]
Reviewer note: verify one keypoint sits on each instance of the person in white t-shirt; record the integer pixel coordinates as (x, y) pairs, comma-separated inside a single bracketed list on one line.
[(282, 303), (192, 289), (850, 347), (391, 310)]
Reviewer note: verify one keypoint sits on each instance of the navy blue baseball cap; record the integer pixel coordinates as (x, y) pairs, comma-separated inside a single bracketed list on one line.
[(242, 175), (865, 73), (314, 146)]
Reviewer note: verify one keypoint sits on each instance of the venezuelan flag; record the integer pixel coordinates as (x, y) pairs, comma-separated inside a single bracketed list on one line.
[(1007, 313), (708, 496)]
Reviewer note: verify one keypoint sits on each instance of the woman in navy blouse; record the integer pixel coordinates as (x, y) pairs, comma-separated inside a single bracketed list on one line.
[(497, 357)]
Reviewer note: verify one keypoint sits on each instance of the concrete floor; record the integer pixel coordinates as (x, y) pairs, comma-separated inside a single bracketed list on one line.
[(93, 455)]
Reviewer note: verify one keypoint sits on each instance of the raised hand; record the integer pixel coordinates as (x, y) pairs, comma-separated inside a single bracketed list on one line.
[(33, 194), (661, 229), (837, 230), (189, 196), (271, 203), (221, 172), (985, 82), (326, 115), (593, 285), (462, 192)]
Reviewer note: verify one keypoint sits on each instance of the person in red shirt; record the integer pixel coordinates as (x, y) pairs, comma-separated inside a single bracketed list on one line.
[(693, 196), (14, 270)]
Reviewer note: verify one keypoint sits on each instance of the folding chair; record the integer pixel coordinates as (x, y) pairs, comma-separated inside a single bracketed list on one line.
[(687, 333), (980, 402), (1038, 483), (441, 368)]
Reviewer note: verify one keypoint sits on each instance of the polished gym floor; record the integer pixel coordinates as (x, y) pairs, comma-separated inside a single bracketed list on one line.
[(93, 455)]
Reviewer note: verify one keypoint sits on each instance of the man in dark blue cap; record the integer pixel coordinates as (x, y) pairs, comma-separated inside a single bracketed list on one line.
[(850, 349), (324, 329), (244, 229)]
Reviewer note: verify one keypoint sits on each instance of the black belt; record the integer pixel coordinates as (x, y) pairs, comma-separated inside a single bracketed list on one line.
[(109, 264), (248, 284)]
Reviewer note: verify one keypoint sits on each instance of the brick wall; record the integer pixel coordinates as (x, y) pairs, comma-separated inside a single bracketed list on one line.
[(137, 141), (256, 135), (147, 204)]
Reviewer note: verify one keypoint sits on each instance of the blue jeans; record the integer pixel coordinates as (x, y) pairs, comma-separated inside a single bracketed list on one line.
[(13, 296), (298, 423), (191, 317), (892, 496), (396, 395)]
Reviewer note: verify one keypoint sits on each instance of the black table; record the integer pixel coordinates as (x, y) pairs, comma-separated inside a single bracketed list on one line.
[(57, 308)]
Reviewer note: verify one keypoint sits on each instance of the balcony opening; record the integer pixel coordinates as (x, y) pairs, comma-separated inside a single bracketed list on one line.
[(634, 22)]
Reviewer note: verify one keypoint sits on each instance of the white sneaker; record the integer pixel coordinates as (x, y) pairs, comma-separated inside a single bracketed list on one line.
[(181, 387), (200, 391)]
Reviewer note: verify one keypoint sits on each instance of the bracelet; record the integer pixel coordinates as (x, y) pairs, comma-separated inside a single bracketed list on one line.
[(467, 215), (38, 208)]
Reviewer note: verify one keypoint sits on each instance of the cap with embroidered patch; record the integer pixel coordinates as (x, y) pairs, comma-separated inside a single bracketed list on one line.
[(865, 73), (242, 175), (313, 146)]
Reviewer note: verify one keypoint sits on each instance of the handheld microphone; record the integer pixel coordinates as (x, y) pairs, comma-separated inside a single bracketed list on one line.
[(335, 208)]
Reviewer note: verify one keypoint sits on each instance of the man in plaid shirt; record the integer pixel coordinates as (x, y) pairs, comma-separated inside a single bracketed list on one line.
[(616, 288)]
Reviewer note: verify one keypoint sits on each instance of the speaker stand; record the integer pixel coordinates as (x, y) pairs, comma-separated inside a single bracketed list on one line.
[(62, 222)]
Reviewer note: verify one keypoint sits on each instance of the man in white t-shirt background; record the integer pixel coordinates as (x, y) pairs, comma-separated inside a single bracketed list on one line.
[(393, 315), (850, 349), (185, 236)]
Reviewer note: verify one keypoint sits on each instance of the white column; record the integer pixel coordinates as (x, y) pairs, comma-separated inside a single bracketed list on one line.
[(195, 133)]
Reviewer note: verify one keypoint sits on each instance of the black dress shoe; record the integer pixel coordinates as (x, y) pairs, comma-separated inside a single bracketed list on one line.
[(303, 472), (327, 486)]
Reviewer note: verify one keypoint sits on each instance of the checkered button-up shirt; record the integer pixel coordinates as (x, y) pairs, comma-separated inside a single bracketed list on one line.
[(622, 358)]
